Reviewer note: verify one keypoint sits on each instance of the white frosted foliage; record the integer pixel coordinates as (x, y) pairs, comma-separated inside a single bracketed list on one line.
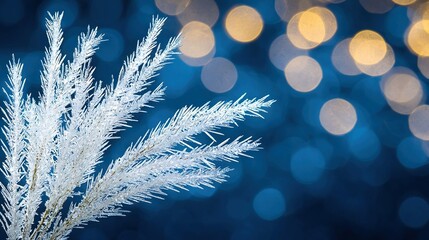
[(53, 143)]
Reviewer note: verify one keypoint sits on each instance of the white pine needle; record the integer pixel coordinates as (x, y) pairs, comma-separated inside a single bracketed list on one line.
[(54, 143)]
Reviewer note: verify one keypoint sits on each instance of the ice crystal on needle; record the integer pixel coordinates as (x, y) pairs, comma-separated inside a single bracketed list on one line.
[(54, 143)]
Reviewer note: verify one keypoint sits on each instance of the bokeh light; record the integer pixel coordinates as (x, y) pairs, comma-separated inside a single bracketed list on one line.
[(418, 122), (410, 153), (303, 73), (402, 90), (318, 24), (404, 2), (378, 6), (418, 38), (418, 11), (423, 65), (332, 1), (414, 212), (286, 9), (367, 47), (343, 60), (198, 61), (307, 165), (295, 36), (219, 75), (176, 88), (172, 7), (381, 67), (205, 11), (282, 51), (198, 40), (349, 130), (338, 116), (113, 47), (243, 23), (269, 204), (310, 28), (364, 144)]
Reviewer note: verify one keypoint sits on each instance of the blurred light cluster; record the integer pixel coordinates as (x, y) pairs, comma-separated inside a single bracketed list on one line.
[(308, 29), (345, 78), (347, 142)]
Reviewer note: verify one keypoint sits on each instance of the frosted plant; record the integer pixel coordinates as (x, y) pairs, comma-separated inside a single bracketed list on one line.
[(54, 143)]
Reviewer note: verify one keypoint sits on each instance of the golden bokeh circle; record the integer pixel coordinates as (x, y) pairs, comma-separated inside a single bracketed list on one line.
[(404, 2), (381, 67), (367, 47), (295, 36), (311, 27), (418, 38), (329, 20), (243, 23)]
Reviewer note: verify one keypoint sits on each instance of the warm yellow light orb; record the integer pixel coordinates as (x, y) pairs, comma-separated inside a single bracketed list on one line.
[(329, 21), (308, 29), (418, 38), (312, 27), (244, 24), (381, 67), (404, 2), (296, 37), (367, 47)]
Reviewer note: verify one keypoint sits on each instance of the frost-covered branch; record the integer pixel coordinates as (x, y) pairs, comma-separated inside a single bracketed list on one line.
[(53, 144), (148, 179), (14, 149), (43, 123)]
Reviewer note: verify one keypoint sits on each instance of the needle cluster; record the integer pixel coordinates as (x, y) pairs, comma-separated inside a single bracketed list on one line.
[(53, 143)]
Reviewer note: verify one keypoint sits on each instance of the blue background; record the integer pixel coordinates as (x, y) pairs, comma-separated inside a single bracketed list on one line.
[(368, 184)]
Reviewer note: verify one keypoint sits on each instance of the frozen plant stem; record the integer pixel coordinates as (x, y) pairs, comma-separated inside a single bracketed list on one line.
[(53, 143)]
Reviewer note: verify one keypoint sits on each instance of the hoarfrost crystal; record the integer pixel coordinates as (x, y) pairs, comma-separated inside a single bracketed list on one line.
[(53, 143)]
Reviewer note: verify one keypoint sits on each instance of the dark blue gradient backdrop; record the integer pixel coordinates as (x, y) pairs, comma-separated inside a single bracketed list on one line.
[(305, 183)]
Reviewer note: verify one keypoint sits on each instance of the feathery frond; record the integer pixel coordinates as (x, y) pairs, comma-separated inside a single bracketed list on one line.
[(53, 144)]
